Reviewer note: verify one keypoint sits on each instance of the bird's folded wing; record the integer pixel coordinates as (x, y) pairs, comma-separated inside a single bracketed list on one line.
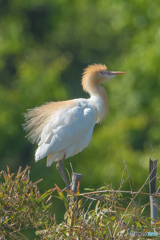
[(72, 134)]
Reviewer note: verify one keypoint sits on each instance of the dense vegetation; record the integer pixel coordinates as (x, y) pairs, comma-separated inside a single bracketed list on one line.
[(44, 46), (104, 213)]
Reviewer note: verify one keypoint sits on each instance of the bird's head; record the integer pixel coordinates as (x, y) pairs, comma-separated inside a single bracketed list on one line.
[(96, 74)]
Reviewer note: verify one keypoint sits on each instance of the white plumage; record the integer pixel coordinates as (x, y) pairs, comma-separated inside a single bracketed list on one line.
[(63, 129), (68, 132)]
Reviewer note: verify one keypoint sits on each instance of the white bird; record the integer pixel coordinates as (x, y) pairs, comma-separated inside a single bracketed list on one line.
[(63, 129)]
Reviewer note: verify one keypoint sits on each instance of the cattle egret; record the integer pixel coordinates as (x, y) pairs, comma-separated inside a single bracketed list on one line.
[(63, 129)]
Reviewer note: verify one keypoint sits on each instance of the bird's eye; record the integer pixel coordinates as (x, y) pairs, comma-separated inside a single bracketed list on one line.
[(102, 72)]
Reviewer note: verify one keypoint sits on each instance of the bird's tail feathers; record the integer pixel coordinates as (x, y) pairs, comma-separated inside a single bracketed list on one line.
[(50, 160)]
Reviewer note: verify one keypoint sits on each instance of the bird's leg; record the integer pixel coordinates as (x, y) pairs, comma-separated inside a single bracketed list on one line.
[(60, 169)]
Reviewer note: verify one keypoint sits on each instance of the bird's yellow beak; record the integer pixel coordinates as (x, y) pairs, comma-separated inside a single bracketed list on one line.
[(108, 73)]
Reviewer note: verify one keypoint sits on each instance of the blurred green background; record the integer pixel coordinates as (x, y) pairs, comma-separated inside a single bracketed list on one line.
[(44, 47)]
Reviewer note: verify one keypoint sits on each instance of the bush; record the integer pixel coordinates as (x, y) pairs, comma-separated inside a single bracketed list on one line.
[(104, 213)]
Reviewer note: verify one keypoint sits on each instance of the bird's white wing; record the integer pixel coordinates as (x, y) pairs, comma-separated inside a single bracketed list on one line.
[(67, 133)]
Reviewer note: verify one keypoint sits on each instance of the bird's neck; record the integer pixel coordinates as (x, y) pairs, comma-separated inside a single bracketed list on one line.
[(99, 99)]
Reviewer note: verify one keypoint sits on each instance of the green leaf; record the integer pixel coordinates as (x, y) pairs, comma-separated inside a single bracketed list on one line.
[(66, 215), (89, 189), (44, 195), (113, 218), (138, 224), (97, 205)]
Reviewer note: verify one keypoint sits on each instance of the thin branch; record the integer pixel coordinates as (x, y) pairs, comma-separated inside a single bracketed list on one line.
[(117, 191), (68, 175), (71, 166), (24, 237), (132, 201), (88, 210), (151, 146)]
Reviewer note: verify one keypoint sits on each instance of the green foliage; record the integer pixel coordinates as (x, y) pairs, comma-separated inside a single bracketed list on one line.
[(103, 214), (21, 204), (44, 46), (100, 214)]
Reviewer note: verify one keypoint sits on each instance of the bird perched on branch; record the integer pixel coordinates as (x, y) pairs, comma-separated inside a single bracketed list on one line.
[(63, 129)]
